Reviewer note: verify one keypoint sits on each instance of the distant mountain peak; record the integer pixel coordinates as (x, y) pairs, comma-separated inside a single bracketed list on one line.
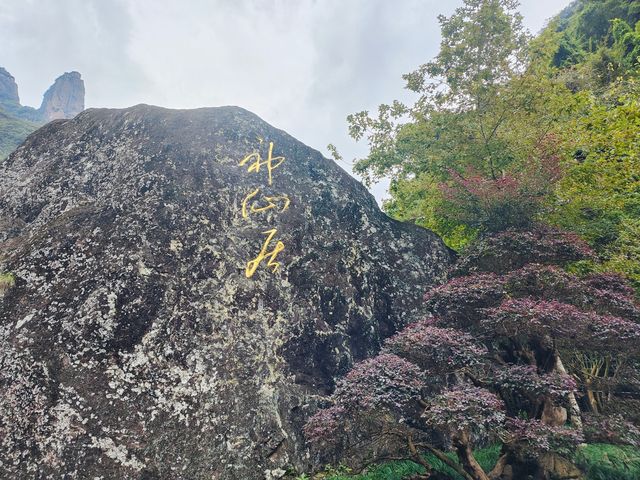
[(64, 99), (8, 88)]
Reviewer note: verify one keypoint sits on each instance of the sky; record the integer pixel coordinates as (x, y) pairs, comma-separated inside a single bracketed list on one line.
[(301, 65)]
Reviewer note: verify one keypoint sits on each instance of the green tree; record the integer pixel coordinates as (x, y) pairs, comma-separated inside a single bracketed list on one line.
[(503, 135), (626, 44), (460, 157), (599, 196)]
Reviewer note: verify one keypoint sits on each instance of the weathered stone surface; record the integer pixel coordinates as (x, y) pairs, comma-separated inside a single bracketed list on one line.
[(64, 99), (132, 344)]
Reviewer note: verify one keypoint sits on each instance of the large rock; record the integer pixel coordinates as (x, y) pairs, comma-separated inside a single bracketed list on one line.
[(135, 343), (63, 99)]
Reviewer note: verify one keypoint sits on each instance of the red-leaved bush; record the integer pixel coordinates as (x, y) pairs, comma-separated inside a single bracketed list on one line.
[(324, 426), (612, 282), (436, 350), (464, 408), (512, 336), (460, 301), (530, 438), (513, 249), (385, 386), (498, 201), (526, 380), (604, 294), (610, 429), (385, 380), (561, 323)]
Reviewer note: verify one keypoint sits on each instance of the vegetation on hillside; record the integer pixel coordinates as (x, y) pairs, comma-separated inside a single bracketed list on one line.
[(515, 350), (524, 154), (13, 131), (508, 130)]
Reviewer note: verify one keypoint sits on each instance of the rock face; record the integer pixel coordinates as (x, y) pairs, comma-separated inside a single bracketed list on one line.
[(64, 99), (8, 88), (137, 341)]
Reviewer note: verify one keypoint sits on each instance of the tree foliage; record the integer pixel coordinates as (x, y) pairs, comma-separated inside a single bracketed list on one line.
[(454, 162), (586, 27), (508, 130), (532, 337), (507, 355), (599, 196)]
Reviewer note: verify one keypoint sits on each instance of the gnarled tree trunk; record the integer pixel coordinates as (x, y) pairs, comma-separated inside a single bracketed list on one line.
[(467, 460), (553, 415), (574, 409)]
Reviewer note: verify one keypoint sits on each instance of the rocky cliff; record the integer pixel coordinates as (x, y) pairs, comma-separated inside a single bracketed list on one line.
[(8, 88), (64, 99), (181, 288)]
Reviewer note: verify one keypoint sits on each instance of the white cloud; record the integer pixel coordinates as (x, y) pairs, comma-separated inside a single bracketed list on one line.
[(40, 40)]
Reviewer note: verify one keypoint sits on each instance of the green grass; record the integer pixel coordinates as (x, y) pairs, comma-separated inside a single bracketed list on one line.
[(385, 471), (7, 280), (599, 462), (486, 457), (609, 462), (13, 131)]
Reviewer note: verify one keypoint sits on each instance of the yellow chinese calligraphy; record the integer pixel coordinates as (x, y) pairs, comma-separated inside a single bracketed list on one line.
[(253, 265), (272, 203), (259, 162)]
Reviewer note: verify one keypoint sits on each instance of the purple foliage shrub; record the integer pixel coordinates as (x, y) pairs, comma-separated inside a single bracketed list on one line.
[(465, 408), (563, 323), (385, 380), (324, 426), (612, 282), (460, 301), (610, 429), (592, 293), (513, 249), (436, 350), (531, 438), (491, 351), (526, 380)]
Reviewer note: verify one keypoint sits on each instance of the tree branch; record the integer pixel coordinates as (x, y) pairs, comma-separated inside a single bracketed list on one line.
[(445, 459)]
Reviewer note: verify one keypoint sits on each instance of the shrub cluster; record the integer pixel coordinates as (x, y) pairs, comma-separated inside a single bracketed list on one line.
[(489, 362)]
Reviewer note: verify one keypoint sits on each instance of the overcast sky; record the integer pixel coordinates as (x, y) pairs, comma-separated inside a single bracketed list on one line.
[(302, 65)]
